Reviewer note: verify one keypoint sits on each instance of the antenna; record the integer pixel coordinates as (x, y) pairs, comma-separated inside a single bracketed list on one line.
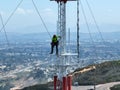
[(62, 75), (78, 45)]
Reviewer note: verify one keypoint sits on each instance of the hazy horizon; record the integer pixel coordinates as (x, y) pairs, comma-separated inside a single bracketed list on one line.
[(26, 19)]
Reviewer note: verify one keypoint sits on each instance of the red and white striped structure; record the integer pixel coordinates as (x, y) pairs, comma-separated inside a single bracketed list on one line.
[(62, 79)]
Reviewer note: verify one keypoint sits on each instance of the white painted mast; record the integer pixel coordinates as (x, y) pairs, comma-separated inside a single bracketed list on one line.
[(63, 55)]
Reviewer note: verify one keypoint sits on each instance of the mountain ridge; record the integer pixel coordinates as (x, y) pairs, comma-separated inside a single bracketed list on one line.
[(104, 73)]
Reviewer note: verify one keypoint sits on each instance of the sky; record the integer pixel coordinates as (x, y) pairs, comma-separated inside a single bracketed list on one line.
[(26, 20)]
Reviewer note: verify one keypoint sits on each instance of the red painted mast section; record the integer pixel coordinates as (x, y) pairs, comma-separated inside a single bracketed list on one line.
[(64, 86), (55, 82), (69, 82)]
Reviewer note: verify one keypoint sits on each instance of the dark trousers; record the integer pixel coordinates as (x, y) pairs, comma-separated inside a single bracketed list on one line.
[(54, 45)]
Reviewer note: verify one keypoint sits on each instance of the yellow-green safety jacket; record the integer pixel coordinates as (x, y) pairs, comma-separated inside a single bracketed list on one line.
[(54, 39)]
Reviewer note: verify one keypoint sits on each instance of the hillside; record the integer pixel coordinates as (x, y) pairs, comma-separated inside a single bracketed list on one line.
[(116, 87), (104, 73), (38, 87), (98, 74)]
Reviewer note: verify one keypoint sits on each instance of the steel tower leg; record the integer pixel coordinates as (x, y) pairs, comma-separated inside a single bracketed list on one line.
[(55, 82), (63, 27), (62, 41)]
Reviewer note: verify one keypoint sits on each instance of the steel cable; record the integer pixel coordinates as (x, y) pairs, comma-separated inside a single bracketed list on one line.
[(4, 29), (11, 15), (41, 18)]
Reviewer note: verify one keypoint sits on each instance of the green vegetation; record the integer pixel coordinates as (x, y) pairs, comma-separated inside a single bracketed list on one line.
[(38, 87), (116, 87), (104, 73), (5, 86)]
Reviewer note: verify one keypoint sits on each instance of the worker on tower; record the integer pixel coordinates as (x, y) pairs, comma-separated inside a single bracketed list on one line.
[(54, 43)]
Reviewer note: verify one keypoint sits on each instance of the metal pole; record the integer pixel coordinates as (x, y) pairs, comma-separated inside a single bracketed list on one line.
[(69, 40), (78, 30), (64, 85), (69, 82), (55, 82)]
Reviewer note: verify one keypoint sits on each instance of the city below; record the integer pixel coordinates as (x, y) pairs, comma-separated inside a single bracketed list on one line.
[(27, 61)]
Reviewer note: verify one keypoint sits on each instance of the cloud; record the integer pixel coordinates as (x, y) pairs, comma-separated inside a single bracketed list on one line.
[(20, 11), (49, 15), (110, 10), (2, 13), (48, 12), (29, 11), (24, 11)]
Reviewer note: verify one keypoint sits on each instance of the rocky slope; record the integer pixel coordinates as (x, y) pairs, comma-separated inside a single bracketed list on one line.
[(94, 74)]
